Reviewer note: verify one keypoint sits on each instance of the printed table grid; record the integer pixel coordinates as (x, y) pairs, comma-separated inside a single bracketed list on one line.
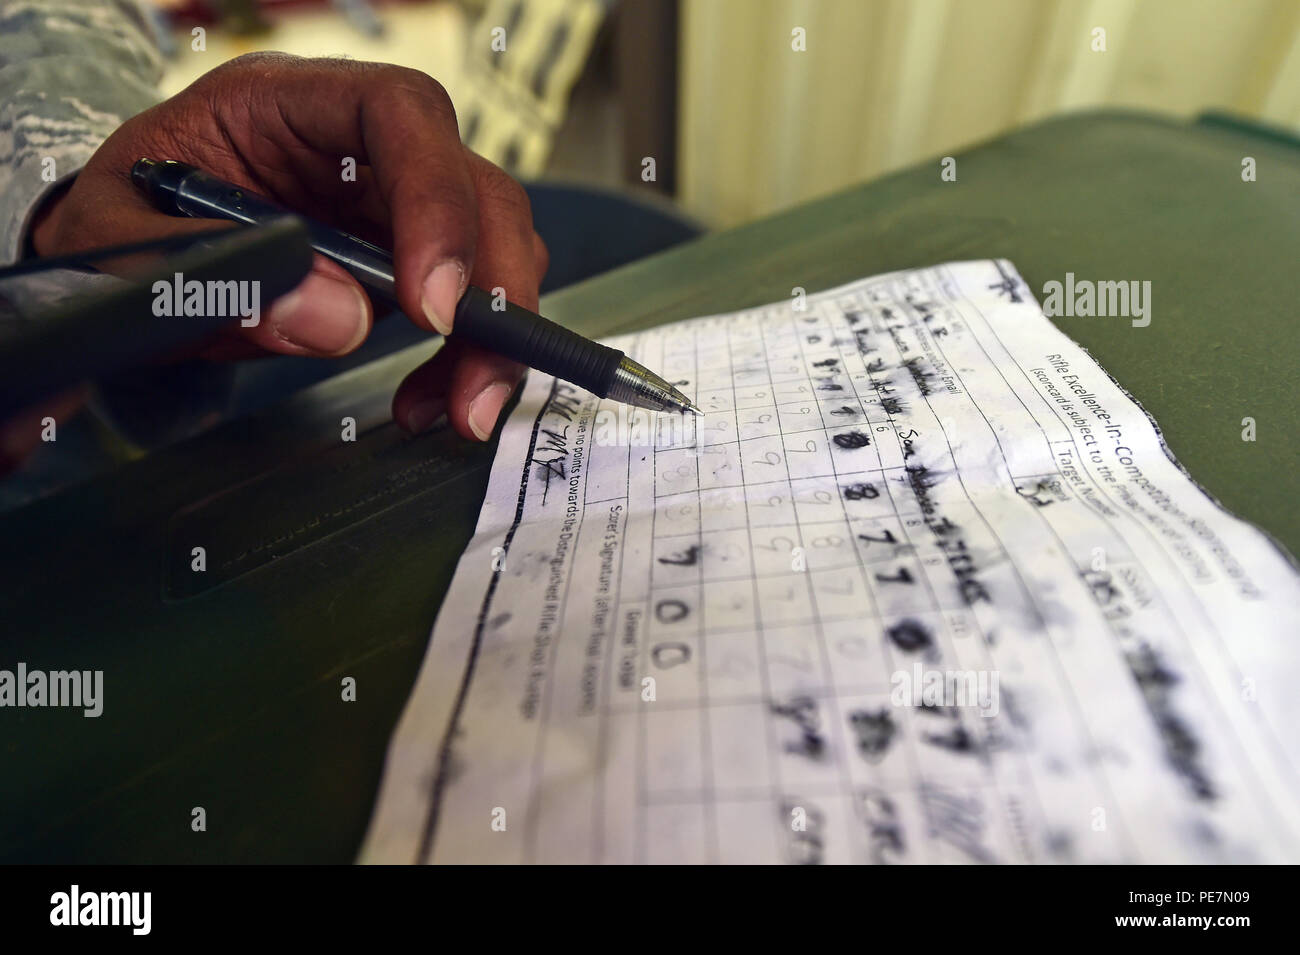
[(779, 334), (776, 564), (877, 396), (779, 337), (772, 346), (894, 300)]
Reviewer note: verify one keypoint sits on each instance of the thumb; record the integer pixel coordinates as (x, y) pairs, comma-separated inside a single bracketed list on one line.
[(327, 314)]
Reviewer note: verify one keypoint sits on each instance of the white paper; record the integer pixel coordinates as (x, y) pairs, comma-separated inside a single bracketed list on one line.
[(711, 640)]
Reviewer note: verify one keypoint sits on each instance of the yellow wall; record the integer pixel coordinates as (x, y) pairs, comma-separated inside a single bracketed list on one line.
[(885, 83)]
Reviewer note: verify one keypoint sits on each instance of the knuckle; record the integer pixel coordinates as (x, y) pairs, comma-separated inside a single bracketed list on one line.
[(412, 201), (506, 192), (260, 61), (454, 204), (419, 84)]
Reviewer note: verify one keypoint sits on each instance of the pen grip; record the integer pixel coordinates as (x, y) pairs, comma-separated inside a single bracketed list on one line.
[(535, 341)]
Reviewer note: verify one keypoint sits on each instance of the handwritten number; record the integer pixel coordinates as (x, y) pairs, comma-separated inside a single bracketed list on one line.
[(687, 558), (851, 439), (671, 610), (886, 538), (668, 655), (902, 577)]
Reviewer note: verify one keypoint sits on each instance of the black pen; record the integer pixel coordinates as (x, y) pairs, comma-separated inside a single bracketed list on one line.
[(512, 331)]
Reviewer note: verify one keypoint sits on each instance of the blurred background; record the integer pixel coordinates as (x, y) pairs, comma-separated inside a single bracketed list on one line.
[(639, 124), (739, 120)]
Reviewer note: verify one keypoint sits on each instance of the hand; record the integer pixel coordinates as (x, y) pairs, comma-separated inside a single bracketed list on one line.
[(282, 126)]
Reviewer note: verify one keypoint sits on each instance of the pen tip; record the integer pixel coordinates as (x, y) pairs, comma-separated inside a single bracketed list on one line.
[(691, 407)]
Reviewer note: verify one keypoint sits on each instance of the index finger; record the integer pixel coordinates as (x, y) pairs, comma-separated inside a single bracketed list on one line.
[(401, 123)]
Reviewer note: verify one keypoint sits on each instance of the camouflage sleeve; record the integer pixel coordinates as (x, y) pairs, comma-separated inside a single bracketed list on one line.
[(71, 71)]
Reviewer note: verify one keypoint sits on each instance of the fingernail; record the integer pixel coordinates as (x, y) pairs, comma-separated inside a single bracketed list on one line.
[(486, 408), (334, 324), (439, 295), (424, 414)]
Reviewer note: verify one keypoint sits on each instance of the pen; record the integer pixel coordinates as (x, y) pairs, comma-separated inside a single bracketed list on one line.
[(512, 331)]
